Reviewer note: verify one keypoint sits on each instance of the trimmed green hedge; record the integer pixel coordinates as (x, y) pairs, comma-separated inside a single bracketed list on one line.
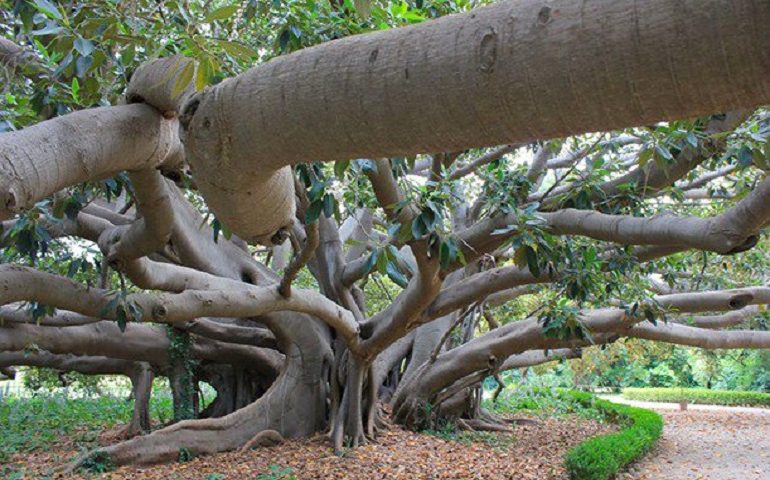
[(698, 395), (602, 457)]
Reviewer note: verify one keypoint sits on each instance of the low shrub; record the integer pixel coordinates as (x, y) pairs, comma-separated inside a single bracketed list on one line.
[(602, 457), (699, 395)]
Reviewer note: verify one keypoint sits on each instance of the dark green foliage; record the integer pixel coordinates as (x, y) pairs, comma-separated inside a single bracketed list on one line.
[(183, 374), (602, 457), (98, 462), (277, 473), (185, 455), (46, 380), (699, 395)]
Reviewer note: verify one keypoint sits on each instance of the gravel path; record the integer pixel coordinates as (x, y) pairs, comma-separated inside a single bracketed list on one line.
[(707, 442)]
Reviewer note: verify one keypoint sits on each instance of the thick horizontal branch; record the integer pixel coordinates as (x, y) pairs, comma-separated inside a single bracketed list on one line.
[(87, 145), (69, 363), (140, 342), (701, 337), (489, 351), (730, 319), (19, 283)]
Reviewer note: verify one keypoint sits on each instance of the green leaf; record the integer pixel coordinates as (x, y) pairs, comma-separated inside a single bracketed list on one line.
[(531, 256), (692, 140), (328, 205), (75, 88), (340, 166), (48, 9), (313, 211), (444, 254), (221, 13), (382, 264), (395, 274), (73, 268), (204, 74), (650, 316), (121, 318), (216, 226), (84, 47), (419, 229), (644, 157), (663, 152), (745, 157), (371, 261), (238, 50), (183, 80), (50, 29)]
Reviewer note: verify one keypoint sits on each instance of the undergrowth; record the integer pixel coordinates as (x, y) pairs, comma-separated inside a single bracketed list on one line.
[(449, 431), (37, 423), (544, 402)]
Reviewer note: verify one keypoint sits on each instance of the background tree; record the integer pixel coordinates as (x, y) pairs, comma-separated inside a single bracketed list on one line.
[(448, 214)]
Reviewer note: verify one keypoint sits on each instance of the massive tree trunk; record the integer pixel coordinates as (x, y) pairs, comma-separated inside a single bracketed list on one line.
[(294, 406)]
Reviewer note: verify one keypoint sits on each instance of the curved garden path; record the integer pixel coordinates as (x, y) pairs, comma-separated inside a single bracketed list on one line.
[(706, 443)]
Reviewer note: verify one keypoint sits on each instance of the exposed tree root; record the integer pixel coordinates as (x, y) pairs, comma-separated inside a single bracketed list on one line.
[(266, 438), (478, 425)]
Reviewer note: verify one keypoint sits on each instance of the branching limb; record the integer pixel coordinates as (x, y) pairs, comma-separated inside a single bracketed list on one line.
[(22, 283), (311, 243), (148, 233), (473, 165)]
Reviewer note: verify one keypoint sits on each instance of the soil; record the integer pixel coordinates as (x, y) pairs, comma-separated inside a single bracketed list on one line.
[(533, 451)]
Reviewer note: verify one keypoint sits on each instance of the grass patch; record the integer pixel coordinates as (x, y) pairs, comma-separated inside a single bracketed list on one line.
[(30, 424), (602, 457), (699, 395), (545, 402)]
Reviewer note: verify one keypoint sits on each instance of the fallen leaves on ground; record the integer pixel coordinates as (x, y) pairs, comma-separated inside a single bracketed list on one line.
[(532, 451)]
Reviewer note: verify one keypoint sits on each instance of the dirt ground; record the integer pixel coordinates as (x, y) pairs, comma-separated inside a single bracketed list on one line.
[(707, 443), (531, 452)]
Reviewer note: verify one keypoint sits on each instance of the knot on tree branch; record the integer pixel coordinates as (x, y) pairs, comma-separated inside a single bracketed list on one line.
[(159, 312), (747, 244), (740, 301)]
